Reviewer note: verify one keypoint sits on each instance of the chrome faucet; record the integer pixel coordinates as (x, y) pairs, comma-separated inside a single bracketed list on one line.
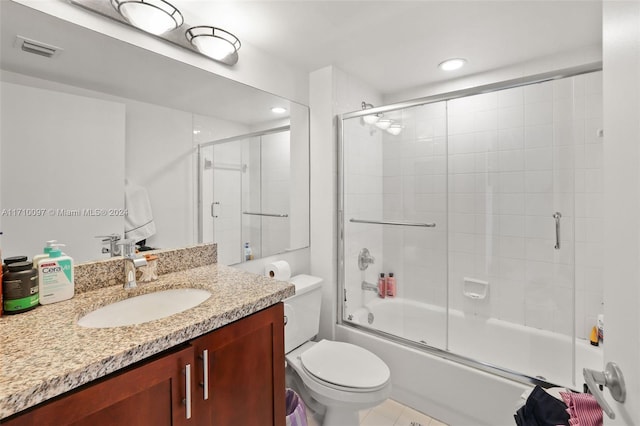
[(132, 261), (114, 247), (369, 287), (365, 259)]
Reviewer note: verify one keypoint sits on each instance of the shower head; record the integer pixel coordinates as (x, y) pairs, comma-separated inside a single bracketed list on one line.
[(372, 118)]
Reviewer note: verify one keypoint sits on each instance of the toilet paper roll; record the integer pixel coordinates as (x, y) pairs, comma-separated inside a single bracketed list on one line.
[(280, 270)]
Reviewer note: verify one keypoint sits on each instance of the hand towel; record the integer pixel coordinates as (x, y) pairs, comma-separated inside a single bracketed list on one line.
[(138, 223)]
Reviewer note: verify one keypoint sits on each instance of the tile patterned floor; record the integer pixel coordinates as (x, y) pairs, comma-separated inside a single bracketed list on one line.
[(389, 413)]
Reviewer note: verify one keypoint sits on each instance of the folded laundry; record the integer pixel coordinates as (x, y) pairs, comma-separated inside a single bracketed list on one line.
[(542, 409), (583, 409)]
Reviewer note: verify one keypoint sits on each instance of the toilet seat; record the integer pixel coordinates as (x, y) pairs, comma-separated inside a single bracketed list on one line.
[(344, 366)]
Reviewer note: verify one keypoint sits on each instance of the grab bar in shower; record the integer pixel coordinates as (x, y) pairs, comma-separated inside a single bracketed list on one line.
[(392, 222), (265, 214)]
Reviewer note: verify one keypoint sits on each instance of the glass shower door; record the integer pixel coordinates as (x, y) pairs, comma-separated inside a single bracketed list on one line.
[(394, 208), (511, 245)]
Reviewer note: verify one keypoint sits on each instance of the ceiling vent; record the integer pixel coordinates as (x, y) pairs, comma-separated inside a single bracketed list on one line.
[(37, 47)]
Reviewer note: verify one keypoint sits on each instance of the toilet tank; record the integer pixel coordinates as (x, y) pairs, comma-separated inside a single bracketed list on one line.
[(302, 311)]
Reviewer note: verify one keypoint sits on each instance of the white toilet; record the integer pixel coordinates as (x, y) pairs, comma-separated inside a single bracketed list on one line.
[(342, 377)]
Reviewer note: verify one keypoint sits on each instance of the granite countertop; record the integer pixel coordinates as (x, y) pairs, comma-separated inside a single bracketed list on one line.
[(44, 353)]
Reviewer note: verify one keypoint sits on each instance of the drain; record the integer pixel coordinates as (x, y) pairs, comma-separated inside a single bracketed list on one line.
[(541, 378), (370, 318)]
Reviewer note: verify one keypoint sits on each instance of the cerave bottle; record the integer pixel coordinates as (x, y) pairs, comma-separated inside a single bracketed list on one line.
[(55, 278)]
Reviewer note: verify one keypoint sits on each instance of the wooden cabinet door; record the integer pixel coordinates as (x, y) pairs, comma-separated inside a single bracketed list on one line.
[(246, 383), (149, 394)]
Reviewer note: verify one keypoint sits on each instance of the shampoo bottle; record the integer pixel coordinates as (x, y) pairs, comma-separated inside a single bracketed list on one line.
[(391, 285), (382, 286), (55, 277), (248, 254)]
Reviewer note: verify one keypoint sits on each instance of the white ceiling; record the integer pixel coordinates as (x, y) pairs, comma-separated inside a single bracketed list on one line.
[(395, 45)]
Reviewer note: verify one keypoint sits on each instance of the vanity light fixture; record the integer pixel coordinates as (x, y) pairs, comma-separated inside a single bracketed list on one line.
[(153, 16), (278, 110), (452, 64), (213, 42)]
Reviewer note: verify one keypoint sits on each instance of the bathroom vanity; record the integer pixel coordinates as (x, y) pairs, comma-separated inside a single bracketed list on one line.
[(221, 362), (242, 382)]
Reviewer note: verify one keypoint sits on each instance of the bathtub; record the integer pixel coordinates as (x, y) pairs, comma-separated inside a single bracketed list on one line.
[(476, 374)]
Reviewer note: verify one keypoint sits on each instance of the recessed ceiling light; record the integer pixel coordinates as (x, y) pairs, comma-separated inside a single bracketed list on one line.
[(452, 64), (278, 110)]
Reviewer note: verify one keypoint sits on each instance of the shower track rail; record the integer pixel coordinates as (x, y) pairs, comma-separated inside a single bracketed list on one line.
[(394, 222)]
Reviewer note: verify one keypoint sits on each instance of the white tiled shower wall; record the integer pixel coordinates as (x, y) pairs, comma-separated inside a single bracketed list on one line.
[(510, 160), (415, 190), (363, 200)]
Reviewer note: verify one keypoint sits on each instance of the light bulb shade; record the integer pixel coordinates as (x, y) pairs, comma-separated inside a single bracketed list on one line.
[(153, 16), (213, 42), (372, 118), (384, 124), (395, 129)]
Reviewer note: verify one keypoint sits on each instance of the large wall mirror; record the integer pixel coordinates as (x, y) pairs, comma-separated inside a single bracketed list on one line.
[(100, 118)]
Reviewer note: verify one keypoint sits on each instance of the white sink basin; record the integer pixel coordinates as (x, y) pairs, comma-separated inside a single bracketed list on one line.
[(144, 308)]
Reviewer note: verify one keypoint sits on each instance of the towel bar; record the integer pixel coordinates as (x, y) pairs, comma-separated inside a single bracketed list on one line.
[(392, 222)]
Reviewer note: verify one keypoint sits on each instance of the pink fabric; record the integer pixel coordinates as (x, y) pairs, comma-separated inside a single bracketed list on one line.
[(583, 409)]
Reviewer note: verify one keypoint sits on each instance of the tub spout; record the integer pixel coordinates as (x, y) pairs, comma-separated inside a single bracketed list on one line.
[(369, 287)]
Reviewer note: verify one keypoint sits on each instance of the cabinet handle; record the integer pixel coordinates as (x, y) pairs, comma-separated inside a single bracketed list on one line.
[(205, 374), (187, 384)]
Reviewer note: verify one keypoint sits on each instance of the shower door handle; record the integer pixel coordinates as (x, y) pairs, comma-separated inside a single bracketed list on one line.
[(557, 216), (213, 214), (610, 378)]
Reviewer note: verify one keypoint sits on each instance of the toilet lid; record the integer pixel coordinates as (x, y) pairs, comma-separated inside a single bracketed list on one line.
[(344, 364)]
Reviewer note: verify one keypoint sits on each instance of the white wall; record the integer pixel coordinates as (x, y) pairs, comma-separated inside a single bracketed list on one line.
[(159, 157), (44, 132), (332, 92), (621, 39)]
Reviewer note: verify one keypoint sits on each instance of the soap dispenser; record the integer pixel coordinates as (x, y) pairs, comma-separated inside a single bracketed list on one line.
[(45, 253), (55, 277)]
